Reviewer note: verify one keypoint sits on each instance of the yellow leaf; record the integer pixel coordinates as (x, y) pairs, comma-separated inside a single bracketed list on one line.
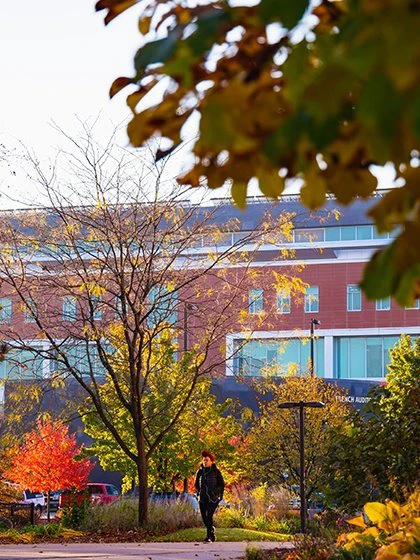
[(375, 511), (239, 191), (358, 521)]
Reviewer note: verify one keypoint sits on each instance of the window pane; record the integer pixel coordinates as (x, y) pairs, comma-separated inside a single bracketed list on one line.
[(255, 356), (256, 301), (354, 298), (69, 308), (332, 234), (283, 301), (342, 357), (374, 366), (364, 232), (5, 310), (357, 357), (310, 235), (383, 304), (377, 235), (312, 299), (348, 233), (30, 311)]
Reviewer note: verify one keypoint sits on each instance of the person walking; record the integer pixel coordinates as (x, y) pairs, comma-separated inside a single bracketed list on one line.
[(209, 485)]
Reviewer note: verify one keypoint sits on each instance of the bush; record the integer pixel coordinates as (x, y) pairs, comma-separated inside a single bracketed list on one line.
[(252, 553), (122, 515), (393, 532), (312, 548), (231, 518), (75, 515)]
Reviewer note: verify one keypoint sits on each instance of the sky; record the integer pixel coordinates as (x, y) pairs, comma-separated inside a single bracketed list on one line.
[(58, 61)]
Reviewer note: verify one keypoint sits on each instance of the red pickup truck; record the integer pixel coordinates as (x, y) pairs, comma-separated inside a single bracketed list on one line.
[(95, 492)]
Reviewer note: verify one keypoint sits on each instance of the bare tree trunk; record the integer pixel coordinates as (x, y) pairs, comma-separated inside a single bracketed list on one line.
[(143, 479)]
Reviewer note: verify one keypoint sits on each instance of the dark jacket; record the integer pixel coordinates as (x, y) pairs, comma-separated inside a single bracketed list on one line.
[(209, 484)]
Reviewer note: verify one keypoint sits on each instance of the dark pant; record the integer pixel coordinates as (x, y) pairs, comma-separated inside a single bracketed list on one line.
[(207, 510)]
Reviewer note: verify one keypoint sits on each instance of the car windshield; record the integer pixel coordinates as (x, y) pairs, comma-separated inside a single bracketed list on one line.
[(111, 490), (31, 495)]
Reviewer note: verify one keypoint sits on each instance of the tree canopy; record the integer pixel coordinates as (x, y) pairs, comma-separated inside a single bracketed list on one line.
[(47, 460), (285, 89), (203, 424), (109, 268), (376, 454), (271, 451)]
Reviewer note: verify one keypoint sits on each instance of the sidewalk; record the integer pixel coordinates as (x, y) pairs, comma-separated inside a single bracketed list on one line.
[(129, 551)]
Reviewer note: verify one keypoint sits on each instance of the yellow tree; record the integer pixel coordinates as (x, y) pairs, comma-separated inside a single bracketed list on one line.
[(292, 88), (272, 449)]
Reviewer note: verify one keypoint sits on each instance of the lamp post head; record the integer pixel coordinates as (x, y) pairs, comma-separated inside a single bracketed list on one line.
[(315, 322), (303, 404)]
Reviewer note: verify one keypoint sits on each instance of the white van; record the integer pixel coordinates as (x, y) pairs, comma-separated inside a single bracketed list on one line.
[(36, 498)]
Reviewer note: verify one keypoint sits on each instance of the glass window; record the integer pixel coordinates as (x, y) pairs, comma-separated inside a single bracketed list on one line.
[(5, 310), (332, 234), (276, 356), (21, 364), (364, 232), (283, 301), (415, 305), (69, 308), (354, 298), (164, 306), (30, 311), (85, 361), (374, 357), (383, 304), (96, 302), (310, 235), (118, 307), (312, 299), (377, 235), (256, 300), (362, 357), (348, 233)]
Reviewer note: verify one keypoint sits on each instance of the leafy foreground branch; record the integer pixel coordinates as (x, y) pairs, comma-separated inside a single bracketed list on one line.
[(263, 79)]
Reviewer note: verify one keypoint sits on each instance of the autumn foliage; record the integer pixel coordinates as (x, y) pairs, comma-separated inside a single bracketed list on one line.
[(285, 89), (46, 460)]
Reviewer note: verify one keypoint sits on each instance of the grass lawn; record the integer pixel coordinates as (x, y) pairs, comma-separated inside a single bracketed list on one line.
[(225, 535)]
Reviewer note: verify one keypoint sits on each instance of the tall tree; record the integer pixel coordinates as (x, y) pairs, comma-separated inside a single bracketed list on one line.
[(376, 455), (203, 424), (47, 461), (116, 251), (272, 449), (263, 79)]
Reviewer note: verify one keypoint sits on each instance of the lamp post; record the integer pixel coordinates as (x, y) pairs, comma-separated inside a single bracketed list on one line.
[(301, 405), (313, 323), (187, 307)]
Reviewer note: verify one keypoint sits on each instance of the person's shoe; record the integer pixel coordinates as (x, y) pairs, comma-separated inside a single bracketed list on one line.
[(213, 537), (207, 539)]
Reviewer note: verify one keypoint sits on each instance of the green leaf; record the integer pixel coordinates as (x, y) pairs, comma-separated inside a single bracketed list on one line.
[(155, 52), (288, 13), (378, 278), (207, 31)]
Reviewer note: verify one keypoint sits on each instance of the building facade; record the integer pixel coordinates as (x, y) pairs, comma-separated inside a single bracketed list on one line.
[(348, 336)]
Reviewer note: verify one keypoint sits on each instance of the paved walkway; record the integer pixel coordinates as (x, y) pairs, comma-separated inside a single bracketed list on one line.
[(129, 551)]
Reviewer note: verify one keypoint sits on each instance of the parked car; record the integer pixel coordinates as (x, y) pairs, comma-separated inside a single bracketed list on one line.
[(36, 498), (54, 499), (95, 492), (181, 497)]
